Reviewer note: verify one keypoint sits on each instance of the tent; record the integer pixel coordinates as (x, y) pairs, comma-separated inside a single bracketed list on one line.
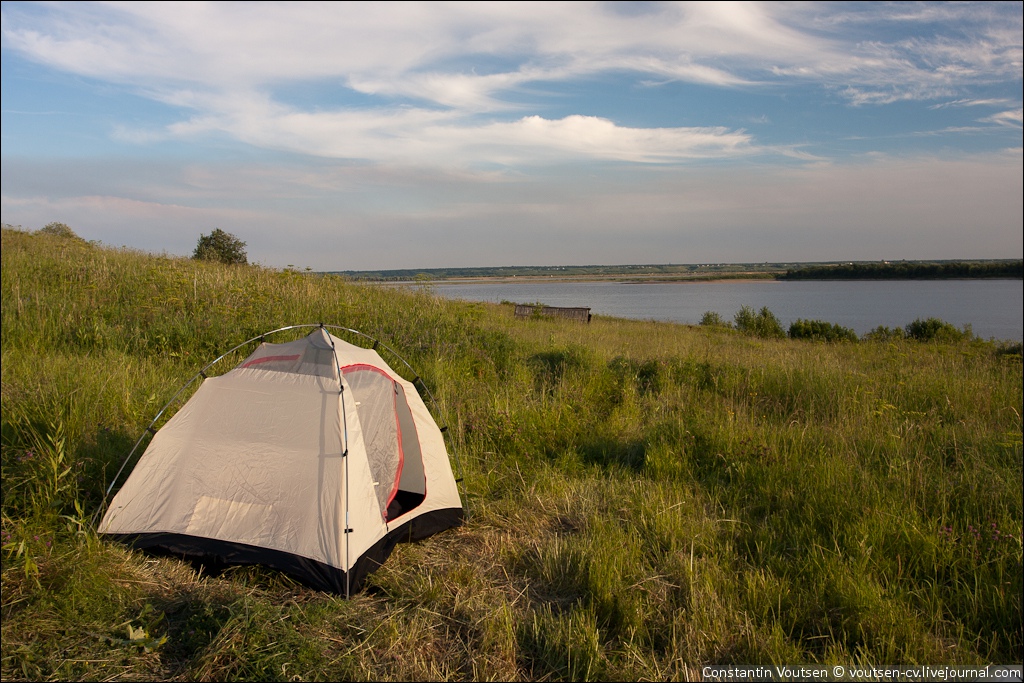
[(313, 457)]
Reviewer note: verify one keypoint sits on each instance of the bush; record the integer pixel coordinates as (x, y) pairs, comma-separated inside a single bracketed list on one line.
[(883, 333), (220, 246), (62, 230), (936, 329), (762, 324), (819, 330), (712, 319), (1008, 348)]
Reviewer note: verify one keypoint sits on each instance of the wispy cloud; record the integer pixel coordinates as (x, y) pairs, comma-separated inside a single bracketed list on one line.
[(989, 102), (448, 81), (1013, 118), (421, 136)]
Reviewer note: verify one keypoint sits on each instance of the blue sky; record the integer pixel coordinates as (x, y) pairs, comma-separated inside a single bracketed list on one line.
[(403, 135)]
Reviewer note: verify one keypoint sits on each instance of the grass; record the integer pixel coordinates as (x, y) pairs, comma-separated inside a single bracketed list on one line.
[(644, 498)]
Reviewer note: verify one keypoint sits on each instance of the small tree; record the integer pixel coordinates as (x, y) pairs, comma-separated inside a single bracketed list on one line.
[(762, 324), (819, 330), (62, 230), (884, 333), (713, 319), (220, 246), (936, 329)]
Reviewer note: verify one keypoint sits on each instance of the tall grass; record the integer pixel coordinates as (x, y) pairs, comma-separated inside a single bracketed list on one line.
[(644, 497)]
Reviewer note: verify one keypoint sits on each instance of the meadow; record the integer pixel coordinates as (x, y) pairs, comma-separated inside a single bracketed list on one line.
[(643, 498)]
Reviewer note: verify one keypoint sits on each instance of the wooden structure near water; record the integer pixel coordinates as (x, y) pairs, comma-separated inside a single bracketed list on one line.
[(530, 310)]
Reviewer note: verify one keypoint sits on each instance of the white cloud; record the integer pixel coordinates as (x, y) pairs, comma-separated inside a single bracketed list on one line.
[(449, 78), (1013, 118), (988, 102), (419, 136)]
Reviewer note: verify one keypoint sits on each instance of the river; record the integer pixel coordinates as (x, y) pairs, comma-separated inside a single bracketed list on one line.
[(993, 308)]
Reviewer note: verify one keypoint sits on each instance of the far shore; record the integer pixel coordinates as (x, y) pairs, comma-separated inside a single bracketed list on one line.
[(620, 279), (708, 272)]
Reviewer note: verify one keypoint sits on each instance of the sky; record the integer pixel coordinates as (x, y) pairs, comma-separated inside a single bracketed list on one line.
[(357, 136)]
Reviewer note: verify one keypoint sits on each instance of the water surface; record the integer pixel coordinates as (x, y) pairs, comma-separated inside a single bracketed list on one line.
[(993, 308)]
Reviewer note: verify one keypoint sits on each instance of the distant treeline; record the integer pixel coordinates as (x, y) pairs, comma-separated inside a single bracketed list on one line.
[(908, 270), (647, 270), (896, 270)]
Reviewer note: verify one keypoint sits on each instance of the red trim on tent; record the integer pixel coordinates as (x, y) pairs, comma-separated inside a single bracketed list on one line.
[(365, 366), (268, 359)]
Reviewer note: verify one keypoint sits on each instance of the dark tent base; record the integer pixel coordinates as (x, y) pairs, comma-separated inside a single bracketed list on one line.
[(217, 554)]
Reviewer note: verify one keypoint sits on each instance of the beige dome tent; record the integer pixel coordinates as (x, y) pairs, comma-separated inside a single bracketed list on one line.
[(313, 457)]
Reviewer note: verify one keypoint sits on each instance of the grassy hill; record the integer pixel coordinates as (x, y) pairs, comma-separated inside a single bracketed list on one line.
[(643, 498)]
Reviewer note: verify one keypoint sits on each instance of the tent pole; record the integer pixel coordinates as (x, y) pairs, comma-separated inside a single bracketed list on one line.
[(348, 529), (344, 455)]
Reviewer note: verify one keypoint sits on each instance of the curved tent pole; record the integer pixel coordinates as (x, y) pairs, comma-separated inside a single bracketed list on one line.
[(262, 337)]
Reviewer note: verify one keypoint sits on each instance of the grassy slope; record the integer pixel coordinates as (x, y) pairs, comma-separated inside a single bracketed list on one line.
[(644, 497)]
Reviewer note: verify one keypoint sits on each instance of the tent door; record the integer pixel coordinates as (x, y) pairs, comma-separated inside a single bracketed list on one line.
[(389, 435), (412, 484)]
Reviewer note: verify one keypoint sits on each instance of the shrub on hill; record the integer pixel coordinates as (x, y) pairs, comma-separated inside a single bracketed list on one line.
[(713, 319), (936, 329), (884, 333), (761, 324), (819, 330), (220, 246), (62, 230)]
